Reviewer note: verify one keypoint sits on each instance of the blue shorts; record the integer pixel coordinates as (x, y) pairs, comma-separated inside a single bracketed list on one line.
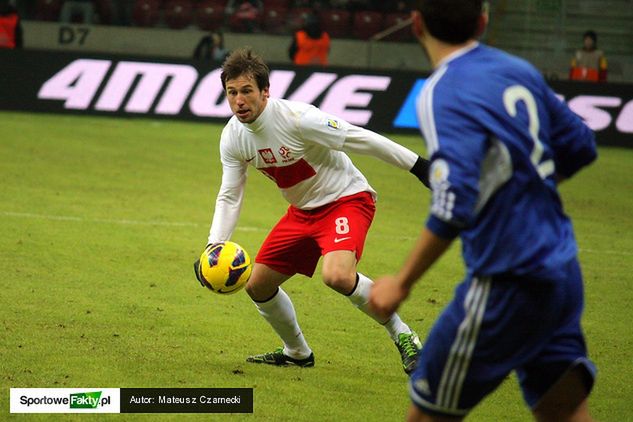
[(493, 326)]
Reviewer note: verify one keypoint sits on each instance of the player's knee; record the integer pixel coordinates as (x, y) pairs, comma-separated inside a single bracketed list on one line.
[(341, 281), (259, 292)]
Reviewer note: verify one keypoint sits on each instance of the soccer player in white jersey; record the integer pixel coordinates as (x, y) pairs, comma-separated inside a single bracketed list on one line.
[(302, 149)]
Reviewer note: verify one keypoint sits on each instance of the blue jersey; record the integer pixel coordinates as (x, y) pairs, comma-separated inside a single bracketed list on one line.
[(498, 137)]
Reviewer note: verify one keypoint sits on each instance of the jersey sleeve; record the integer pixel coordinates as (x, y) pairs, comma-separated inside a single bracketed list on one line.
[(572, 142), (363, 141), (458, 146), (318, 127), (228, 202)]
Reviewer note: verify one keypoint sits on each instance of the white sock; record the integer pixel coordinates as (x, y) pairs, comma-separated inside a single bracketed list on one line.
[(359, 298), (281, 315)]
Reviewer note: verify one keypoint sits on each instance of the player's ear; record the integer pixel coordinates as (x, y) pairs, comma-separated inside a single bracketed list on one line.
[(417, 24), (483, 20)]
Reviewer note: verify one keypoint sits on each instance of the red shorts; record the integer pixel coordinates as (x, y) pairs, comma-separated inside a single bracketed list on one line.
[(301, 237)]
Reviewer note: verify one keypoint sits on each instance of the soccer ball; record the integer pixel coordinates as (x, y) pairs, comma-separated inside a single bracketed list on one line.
[(225, 267)]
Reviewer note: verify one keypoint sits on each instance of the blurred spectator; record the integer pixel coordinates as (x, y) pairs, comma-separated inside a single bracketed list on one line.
[(244, 15), (589, 63), (311, 44), (211, 48), (10, 26), (73, 8)]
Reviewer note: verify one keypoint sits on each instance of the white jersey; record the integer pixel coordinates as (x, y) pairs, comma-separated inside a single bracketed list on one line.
[(301, 149)]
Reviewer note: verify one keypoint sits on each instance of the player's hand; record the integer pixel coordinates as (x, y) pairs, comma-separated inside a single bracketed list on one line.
[(421, 170), (196, 270), (386, 295)]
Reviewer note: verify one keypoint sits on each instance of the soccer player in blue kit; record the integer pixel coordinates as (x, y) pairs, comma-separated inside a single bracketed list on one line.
[(499, 141)]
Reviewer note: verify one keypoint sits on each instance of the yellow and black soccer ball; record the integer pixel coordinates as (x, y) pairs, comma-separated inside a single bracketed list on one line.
[(225, 267)]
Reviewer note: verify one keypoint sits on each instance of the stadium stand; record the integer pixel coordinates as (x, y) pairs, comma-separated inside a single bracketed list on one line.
[(105, 11), (546, 32), (48, 10), (524, 25), (277, 4), (396, 18), (209, 14), (274, 19), (146, 13), (178, 13), (297, 17), (337, 23), (366, 23)]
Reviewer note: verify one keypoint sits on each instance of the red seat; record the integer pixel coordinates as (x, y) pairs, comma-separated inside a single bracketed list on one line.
[(336, 22), (403, 34), (274, 19), (210, 14), (178, 13), (297, 17), (246, 18), (105, 11), (366, 24), (146, 12), (277, 4), (48, 10)]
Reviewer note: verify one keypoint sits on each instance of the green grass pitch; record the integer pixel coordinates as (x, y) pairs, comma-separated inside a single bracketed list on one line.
[(102, 218)]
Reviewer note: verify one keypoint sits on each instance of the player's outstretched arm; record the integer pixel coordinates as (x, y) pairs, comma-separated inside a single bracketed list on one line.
[(390, 291), (364, 141)]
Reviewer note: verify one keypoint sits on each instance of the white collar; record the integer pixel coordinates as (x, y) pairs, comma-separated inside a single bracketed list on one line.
[(457, 53), (261, 120)]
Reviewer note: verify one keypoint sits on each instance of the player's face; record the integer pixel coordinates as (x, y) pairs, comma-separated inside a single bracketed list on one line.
[(247, 101)]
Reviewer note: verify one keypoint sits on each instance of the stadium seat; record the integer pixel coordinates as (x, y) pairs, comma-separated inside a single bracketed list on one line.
[(178, 13), (297, 17), (274, 20), (366, 24), (403, 34), (105, 11), (278, 4), (209, 14), (247, 17), (48, 10), (336, 22), (146, 12)]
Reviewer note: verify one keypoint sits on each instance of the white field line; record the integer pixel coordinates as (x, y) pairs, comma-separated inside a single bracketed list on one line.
[(239, 228), (111, 221)]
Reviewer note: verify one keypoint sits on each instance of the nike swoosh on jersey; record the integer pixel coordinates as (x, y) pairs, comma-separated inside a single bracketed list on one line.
[(251, 159), (340, 239)]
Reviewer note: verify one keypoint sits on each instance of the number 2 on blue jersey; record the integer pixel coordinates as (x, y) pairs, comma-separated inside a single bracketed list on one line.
[(511, 96)]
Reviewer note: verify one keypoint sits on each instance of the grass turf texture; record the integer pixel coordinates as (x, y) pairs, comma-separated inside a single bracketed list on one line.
[(101, 219)]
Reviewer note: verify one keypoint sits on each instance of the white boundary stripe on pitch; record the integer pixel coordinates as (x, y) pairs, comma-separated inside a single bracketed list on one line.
[(110, 221), (189, 224)]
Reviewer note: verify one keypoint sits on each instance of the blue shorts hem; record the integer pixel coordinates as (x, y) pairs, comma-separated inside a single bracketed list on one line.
[(589, 378), (432, 409)]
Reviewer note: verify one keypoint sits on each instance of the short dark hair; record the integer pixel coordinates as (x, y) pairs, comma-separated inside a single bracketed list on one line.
[(591, 34), (244, 61), (451, 21)]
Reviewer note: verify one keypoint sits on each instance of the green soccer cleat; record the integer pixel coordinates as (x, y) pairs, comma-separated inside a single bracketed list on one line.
[(278, 358), (408, 345)]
